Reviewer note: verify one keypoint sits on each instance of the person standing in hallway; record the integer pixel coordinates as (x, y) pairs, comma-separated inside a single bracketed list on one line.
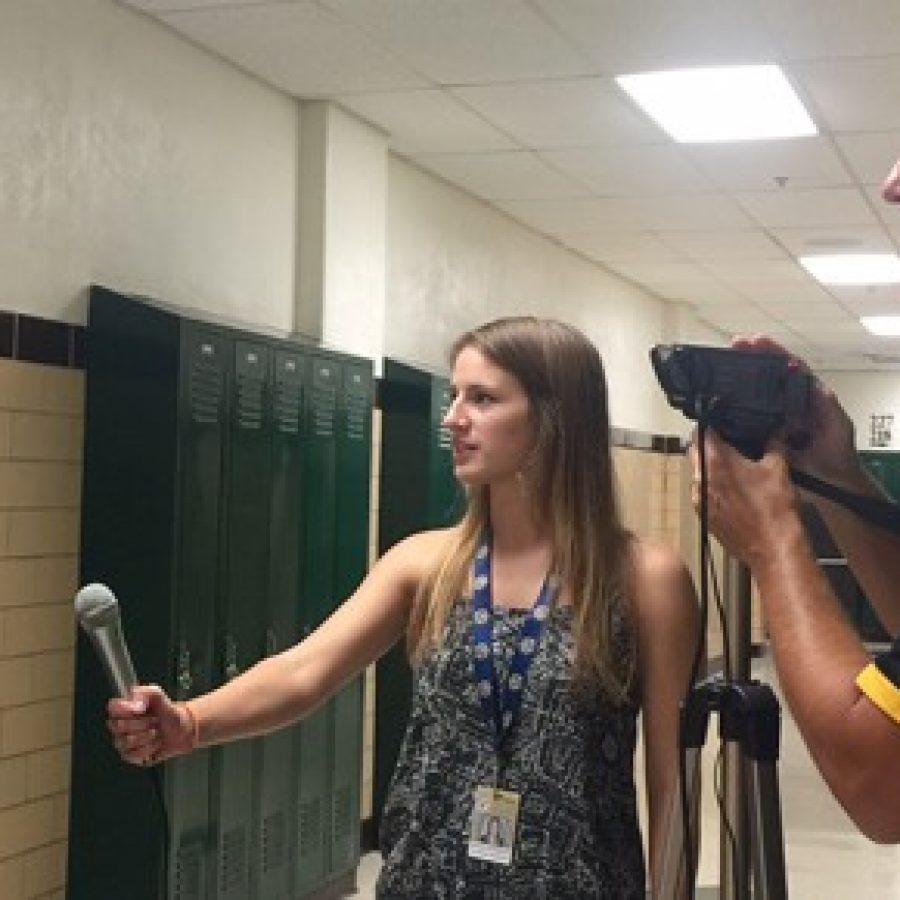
[(538, 628)]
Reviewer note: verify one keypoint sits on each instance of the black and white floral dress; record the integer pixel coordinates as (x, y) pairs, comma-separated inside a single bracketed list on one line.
[(570, 757)]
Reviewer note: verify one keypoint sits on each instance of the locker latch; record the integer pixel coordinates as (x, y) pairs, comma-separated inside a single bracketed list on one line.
[(184, 678), (231, 666)]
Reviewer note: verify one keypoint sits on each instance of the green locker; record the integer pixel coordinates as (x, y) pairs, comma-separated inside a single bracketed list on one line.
[(418, 491), (226, 503), (352, 543), (317, 598), (239, 621), (884, 467), (202, 403), (277, 763), (154, 423)]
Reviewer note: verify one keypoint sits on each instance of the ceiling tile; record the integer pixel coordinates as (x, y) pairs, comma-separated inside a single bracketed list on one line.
[(802, 292), (621, 169), (703, 246), (836, 239), (163, 5), (623, 37), (816, 29), (295, 46), (425, 121), (744, 319), (873, 299), (560, 217), (568, 113), (805, 162), (800, 313), (466, 41), (888, 213), (699, 212), (853, 94), (519, 175), (824, 206), (711, 294), (607, 246), (870, 155), (740, 273), (667, 274), (675, 212)]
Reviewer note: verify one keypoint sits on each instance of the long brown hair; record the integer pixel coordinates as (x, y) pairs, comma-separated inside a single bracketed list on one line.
[(572, 488)]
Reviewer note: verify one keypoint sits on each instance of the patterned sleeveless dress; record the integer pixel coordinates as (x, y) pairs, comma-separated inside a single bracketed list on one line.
[(570, 757)]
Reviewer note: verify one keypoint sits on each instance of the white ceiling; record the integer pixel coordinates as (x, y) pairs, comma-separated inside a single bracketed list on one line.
[(514, 101)]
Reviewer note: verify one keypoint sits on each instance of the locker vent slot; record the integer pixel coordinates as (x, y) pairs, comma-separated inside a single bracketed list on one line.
[(233, 866), (250, 388), (445, 437), (188, 862), (205, 392), (323, 409), (309, 833), (288, 403), (273, 842), (357, 408), (342, 815)]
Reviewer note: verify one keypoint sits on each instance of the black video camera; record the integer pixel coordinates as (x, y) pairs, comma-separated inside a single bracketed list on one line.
[(747, 396)]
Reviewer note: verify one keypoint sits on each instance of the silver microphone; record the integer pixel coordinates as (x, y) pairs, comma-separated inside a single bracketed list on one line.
[(98, 614)]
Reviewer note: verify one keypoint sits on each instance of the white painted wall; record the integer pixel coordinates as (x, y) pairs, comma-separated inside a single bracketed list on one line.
[(454, 262), (131, 158), (863, 394)]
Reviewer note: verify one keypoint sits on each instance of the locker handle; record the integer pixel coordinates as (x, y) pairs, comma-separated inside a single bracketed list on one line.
[(231, 666), (184, 678)]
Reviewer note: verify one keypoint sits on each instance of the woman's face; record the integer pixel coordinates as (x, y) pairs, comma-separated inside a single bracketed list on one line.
[(490, 421)]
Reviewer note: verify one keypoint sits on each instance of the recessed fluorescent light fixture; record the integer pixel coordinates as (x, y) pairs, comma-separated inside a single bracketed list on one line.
[(854, 268), (727, 103), (883, 326)]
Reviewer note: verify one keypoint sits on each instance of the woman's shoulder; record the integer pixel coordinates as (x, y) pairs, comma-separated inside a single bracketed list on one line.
[(420, 553), (654, 558), (657, 576)]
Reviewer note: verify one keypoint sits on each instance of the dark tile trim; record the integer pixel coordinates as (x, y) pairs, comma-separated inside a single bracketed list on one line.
[(44, 341), (7, 333), (642, 440), (368, 837)]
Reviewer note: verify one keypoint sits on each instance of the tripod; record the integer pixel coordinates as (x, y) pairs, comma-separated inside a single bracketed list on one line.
[(749, 724)]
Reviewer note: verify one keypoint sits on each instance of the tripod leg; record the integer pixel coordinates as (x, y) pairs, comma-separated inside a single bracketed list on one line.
[(767, 839), (673, 877)]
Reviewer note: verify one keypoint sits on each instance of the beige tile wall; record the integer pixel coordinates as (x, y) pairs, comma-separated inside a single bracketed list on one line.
[(41, 428)]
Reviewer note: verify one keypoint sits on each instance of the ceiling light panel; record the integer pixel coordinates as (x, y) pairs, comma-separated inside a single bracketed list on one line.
[(730, 103), (883, 326), (854, 268)]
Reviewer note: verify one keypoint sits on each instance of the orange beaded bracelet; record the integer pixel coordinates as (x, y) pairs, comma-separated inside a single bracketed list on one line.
[(195, 725)]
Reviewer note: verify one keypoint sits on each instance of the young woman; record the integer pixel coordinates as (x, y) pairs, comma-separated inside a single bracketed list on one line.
[(538, 628)]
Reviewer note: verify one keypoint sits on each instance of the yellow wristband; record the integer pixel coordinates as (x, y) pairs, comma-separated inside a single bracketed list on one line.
[(195, 725), (880, 690)]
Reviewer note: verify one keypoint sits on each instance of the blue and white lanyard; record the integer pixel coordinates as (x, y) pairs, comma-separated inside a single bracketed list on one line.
[(501, 715)]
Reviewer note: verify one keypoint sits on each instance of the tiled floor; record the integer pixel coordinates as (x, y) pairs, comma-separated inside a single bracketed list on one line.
[(826, 859)]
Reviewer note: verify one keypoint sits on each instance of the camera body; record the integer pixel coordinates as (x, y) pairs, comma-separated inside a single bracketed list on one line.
[(747, 396)]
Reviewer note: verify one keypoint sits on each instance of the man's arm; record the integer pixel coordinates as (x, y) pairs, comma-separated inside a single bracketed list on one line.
[(854, 741), (872, 553)]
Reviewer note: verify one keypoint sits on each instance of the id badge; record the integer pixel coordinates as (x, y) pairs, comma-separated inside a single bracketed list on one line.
[(492, 830)]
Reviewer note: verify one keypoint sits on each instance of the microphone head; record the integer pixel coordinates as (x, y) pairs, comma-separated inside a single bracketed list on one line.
[(95, 603)]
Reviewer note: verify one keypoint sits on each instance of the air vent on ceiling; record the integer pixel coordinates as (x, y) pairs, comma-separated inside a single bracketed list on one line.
[(833, 243), (883, 359)]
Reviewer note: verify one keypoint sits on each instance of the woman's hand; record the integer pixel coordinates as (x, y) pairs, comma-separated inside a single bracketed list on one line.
[(148, 727)]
